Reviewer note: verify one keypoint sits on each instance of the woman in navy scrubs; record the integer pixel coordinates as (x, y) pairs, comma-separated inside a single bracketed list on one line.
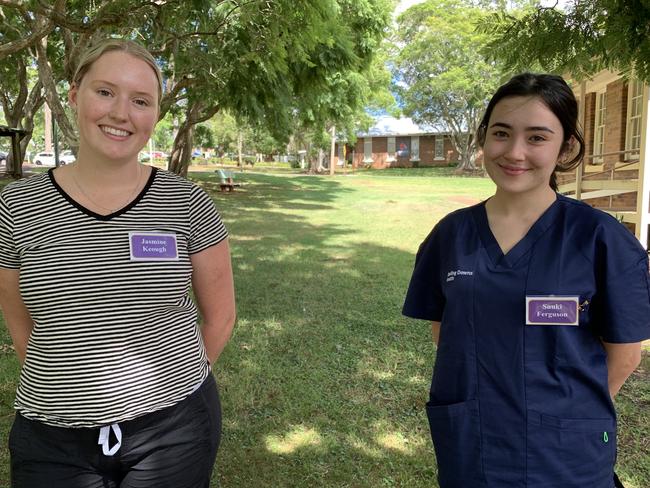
[(539, 304)]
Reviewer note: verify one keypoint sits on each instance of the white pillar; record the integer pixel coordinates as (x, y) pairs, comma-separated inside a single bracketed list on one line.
[(643, 189)]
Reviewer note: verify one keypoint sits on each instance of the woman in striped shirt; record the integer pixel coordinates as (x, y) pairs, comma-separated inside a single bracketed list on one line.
[(97, 259)]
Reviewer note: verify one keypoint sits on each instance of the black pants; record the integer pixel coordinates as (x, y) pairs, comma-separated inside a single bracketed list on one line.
[(173, 448)]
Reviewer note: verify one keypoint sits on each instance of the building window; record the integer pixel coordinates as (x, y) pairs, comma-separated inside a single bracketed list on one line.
[(440, 147), (599, 127), (634, 112), (391, 149), (415, 148), (367, 150)]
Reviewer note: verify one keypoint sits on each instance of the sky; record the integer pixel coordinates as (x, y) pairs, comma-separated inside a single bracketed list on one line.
[(404, 4)]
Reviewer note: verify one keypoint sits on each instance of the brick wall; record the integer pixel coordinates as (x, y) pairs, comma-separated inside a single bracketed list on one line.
[(358, 153), (428, 151), (379, 152)]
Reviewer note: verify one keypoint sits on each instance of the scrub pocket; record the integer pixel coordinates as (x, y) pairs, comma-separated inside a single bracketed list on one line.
[(571, 453), (455, 431)]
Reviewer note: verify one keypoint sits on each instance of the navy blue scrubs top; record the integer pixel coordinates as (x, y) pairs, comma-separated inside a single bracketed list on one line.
[(516, 405)]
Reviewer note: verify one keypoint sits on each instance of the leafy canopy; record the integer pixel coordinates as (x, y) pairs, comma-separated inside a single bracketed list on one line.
[(586, 37)]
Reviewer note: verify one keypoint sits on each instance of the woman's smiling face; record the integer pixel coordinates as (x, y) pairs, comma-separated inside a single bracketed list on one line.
[(117, 107), (523, 143)]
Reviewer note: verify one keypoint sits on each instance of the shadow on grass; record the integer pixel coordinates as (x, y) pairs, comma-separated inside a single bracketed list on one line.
[(323, 383)]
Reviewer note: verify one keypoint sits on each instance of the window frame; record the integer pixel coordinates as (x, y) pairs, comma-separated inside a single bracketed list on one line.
[(440, 138), (599, 126), (634, 122)]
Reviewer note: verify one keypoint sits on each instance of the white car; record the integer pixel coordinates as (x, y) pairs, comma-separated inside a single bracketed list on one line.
[(47, 158), (67, 157), (44, 159)]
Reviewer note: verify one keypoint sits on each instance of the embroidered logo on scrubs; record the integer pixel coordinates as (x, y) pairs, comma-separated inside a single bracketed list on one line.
[(153, 246), (552, 310), (452, 275)]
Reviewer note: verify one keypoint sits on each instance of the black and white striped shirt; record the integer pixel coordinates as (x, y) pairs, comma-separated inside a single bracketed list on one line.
[(114, 338)]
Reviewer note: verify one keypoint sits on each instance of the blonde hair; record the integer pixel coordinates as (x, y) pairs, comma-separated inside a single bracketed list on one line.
[(95, 51)]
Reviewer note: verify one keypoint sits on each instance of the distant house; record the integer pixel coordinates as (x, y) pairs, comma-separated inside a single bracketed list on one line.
[(399, 143), (616, 173)]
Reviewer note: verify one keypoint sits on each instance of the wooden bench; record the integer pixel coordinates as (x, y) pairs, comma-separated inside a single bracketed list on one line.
[(226, 180)]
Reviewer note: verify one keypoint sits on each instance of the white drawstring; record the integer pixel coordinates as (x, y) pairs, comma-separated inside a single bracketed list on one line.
[(104, 434)]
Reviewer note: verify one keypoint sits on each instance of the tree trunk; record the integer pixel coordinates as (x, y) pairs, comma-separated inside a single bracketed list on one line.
[(20, 115), (179, 160), (466, 148), (240, 143), (332, 151), (46, 76), (181, 155)]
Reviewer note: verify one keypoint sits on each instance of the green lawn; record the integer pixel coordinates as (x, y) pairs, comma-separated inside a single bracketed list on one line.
[(324, 383)]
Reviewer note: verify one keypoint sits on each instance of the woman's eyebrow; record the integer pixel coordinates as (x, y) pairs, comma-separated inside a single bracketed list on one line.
[(531, 128), (113, 85)]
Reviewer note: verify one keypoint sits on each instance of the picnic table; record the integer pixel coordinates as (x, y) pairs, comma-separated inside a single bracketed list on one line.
[(226, 180)]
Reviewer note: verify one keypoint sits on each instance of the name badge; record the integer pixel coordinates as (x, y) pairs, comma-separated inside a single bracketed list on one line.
[(552, 310), (153, 246)]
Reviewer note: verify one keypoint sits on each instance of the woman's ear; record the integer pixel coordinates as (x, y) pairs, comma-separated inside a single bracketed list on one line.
[(72, 96), (567, 150)]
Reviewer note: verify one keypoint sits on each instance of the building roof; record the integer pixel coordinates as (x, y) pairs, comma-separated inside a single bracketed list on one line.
[(386, 125)]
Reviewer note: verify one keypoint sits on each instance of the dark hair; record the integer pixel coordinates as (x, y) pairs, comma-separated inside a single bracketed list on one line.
[(554, 92)]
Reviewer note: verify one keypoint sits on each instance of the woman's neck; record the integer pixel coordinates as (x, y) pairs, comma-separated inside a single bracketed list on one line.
[(97, 173), (526, 205)]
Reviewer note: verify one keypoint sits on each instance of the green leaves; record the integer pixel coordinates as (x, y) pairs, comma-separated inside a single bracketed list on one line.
[(443, 79), (584, 39)]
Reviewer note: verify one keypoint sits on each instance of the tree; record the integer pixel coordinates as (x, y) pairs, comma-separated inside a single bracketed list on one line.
[(583, 39), (21, 94), (263, 61), (442, 78)]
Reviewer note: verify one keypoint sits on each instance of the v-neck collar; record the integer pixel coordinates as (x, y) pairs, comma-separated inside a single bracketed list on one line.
[(110, 216), (512, 257)]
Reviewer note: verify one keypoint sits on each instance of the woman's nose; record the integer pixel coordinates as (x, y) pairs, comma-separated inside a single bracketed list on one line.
[(516, 150), (119, 109)]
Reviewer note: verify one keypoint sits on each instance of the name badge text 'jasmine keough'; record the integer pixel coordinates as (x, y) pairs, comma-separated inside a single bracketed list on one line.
[(552, 310), (153, 246)]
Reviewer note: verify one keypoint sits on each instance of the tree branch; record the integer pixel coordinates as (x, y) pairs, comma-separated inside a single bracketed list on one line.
[(47, 78)]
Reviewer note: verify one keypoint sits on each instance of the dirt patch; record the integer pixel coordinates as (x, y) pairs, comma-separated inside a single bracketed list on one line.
[(464, 200)]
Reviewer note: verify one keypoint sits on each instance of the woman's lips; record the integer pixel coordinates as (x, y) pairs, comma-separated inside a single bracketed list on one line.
[(513, 170)]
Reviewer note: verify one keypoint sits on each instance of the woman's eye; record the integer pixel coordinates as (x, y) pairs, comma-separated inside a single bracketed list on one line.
[(103, 92), (141, 102), (500, 133), (537, 138)]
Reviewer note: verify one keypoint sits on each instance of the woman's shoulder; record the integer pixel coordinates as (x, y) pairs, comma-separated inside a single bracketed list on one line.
[(456, 225), (594, 227), (579, 213), (459, 218), (26, 187), (172, 179)]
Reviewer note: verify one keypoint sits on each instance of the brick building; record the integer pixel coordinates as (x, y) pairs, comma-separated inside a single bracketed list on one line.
[(398, 144), (613, 114)]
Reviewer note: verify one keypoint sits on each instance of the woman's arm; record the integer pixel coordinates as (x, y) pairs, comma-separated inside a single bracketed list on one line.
[(215, 296), (435, 332), (622, 360), (16, 316)]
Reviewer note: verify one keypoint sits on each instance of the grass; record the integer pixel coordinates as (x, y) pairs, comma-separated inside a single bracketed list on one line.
[(324, 383)]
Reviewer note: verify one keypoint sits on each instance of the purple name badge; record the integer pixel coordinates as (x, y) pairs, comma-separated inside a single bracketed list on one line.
[(153, 246), (552, 310)]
